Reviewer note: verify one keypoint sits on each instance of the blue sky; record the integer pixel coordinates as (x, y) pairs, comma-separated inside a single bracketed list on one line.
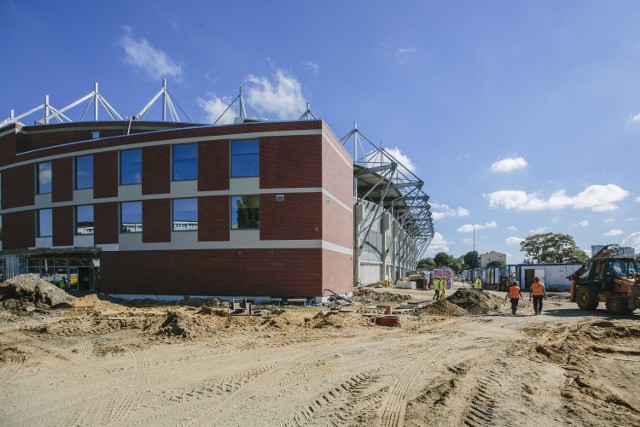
[(519, 116)]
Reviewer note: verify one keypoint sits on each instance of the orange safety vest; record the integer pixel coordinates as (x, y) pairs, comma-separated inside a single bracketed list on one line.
[(514, 292), (537, 289)]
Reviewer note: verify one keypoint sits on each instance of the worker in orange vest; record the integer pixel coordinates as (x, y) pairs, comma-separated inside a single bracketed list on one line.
[(514, 294), (538, 292)]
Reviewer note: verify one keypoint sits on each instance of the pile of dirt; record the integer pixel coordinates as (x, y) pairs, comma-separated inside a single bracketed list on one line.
[(443, 308), (475, 301), (182, 326), (386, 297), (28, 291), (185, 302)]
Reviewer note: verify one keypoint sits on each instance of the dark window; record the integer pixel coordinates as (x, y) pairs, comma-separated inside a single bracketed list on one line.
[(84, 219), (84, 172), (44, 178), (131, 217), (44, 223), (245, 158), (185, 214), (245, 212), (130, 167), (185, 162)]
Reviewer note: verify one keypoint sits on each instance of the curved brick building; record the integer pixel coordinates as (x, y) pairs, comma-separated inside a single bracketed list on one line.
[(138, 208)]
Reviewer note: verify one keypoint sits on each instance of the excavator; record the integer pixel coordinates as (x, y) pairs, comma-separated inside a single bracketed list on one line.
[(610, 277)]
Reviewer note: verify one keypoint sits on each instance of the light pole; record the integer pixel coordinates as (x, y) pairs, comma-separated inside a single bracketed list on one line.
[(474, 246)]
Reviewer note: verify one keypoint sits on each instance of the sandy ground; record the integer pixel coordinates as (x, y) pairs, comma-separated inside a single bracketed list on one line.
[(99, 363)]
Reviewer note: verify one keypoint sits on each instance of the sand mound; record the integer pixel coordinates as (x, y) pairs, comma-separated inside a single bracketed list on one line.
[(183, 326), (386, 297), (28, 290), (475, 301), (444, 308)]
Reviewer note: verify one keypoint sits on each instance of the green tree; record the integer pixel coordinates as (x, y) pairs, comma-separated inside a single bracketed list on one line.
[(248, 211), (471, 259), (551, 248), (443, 259), (426, 263), (496, 264)]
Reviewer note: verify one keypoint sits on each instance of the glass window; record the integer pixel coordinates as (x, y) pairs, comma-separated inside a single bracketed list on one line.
[(185, 214), (44, 223), (131, 217), (130, 167), (84, 219), (245, 212), (84, 172), (185, 162), (245, 160), (44, 178)]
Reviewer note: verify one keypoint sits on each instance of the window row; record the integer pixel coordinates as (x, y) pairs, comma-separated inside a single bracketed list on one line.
[(245, 214), (184, 165)]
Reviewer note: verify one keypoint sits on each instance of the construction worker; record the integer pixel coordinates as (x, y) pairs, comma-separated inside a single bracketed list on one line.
[(443, 287), (538, 292), (436, 288), (514, 294), (477, 284)]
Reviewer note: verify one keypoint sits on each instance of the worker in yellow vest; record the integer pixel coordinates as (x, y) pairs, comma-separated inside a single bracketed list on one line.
[(443, 287), (436, 288), (538, 292), (514, 294), (477, 284)]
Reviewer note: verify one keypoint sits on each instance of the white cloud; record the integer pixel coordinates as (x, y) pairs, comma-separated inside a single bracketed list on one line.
[(403, 54), (513, 240), (406, 162), (438, 244), (632, 240), (635, 119), (508, 164), (538, 230), (281, 96), (608, 220), (153, 62), (312, 66), (583, 223), (512, 228), (638, 199), (598, 198), (439, 211), (215, 106), (615, 232), (468, 228)]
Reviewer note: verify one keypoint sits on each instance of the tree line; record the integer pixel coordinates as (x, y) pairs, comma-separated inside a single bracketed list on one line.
[(544, 248)]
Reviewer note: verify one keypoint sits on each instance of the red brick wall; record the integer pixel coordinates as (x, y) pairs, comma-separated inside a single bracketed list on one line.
[(337, 272), (295, 218), (337, 176), (106, 223), (291, 161), (63, 227), (62, 180), (256, 272), (18, 187), (156, 220), (338, 223), (213, 165), (8, 144), (213, 218), (105, 174), (156, 169), (18, 230)]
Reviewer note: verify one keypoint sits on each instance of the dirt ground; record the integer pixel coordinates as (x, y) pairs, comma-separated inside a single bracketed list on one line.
[(95, 362)]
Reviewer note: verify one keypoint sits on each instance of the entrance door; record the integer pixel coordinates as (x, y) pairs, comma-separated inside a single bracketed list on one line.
[(529, 274)]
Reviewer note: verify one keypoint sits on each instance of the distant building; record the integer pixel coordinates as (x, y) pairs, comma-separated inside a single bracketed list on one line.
[(629, 251), (492, 257)]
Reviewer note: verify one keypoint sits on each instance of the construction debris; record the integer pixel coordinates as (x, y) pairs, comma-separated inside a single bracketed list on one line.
[(26, 292)]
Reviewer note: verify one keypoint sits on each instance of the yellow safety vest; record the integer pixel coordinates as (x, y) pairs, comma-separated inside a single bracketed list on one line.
[(478, 284)]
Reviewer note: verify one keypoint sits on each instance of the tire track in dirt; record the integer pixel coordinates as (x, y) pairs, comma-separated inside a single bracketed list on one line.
[(340, 404), (10, 369), (392, 411), (481, 409)]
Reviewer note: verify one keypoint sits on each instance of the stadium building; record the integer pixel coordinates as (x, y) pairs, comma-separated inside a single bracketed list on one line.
[(258, 209)]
